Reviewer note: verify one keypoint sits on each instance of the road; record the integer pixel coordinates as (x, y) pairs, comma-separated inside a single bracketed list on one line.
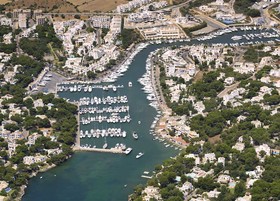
[(228, 89), (210, 21), (266, 15)]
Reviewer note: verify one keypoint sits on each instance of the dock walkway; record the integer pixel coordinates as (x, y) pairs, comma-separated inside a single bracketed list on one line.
[(112, 150)]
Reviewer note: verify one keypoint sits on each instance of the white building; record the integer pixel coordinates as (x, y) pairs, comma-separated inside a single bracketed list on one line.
[(28, 160), (151, 192), (209, 158), (22, 20), (186, 188)]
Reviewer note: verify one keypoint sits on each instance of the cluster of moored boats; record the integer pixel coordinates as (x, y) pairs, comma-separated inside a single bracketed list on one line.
[(247, 39), (104, 100), (146, 81), (96, 133), (125, 65), (47, 77), (113, 118), (85, 87), (110, 109), (263, 34)]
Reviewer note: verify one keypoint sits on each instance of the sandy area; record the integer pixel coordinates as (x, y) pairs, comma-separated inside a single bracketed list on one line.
[(4, 1), (97, 5)]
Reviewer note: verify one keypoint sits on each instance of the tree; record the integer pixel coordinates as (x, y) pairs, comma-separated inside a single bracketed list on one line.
[(253, 13), (91, 75), (240, 189), (77, 16), (206, 184), (259, 135), (11, 127), (17, 118)]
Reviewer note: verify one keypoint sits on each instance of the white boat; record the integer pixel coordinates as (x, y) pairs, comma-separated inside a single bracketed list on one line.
[(135, 135), (114, 88), (129, 84), (128, 150), (139, 155), (105, 146), (236, 37)]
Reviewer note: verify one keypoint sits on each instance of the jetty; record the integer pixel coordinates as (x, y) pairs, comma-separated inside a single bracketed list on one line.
[(146, 176), (111, 150)]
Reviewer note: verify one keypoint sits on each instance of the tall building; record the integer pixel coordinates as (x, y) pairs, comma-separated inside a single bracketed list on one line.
[(22, 20), (40, 20), (37, 13), (27, 12), (16, 12)]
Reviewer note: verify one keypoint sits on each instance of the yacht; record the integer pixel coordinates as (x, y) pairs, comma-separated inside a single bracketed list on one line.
[(135, 135), (236, 37), (128, 150), (129, 84), (139, 155)]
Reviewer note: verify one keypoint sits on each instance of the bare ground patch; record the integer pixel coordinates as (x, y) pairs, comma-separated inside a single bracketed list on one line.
[(4, 1), (98, 5), (215, 139), (198, 76), (45, 5)]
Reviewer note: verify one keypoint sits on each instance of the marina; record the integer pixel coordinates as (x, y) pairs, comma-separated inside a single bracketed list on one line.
[(102, 176)]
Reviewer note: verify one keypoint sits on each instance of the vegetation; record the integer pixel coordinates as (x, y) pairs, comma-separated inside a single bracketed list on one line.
[(253, 54), (195, 28), (4, 30), (209, 86), (198, 3), (220, 127), (129, 36), (38, 47), (243, 6), (253, 13), (8, 48), (64, 129), (34, 47), (28, 70)]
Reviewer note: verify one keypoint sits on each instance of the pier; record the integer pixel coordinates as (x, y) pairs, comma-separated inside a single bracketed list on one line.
[(111, 150), (146, 177)]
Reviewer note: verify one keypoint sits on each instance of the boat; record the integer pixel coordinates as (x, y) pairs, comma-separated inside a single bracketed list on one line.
[(114, 88), (135, 135), (139, 122), (139, 155), (236, 37), (129, 84), (105, 145), (128, 150)]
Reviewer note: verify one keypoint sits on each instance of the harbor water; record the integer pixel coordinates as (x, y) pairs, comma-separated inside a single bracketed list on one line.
[(92, 176)]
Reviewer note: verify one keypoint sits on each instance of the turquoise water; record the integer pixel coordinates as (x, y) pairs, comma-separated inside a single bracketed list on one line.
[(102, 176)]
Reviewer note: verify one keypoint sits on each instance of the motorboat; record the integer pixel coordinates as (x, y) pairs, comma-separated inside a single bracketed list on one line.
[(128, 150), (135, 135), (140, 154)]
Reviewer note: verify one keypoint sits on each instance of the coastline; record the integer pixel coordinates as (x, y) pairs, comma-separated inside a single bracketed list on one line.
[(132, 49), (22, 188), (165, 110)]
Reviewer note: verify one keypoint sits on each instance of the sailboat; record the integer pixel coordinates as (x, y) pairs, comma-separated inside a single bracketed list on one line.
[(105, 145)]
